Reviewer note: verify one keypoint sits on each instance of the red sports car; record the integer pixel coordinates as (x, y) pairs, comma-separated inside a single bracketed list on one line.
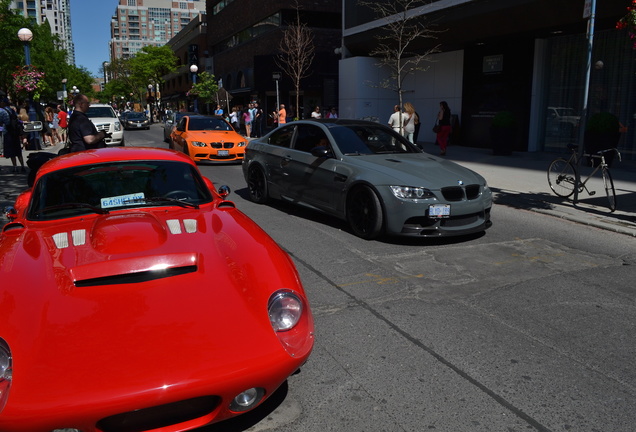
[(135, 297)]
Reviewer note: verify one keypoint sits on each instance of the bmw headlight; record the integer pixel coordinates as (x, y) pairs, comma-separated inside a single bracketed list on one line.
[(242, 144), (117, 126), (285, 310), (411, 192), (197, 144)]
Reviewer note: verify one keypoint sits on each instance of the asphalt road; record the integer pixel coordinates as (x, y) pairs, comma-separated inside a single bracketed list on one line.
[(529, 326)]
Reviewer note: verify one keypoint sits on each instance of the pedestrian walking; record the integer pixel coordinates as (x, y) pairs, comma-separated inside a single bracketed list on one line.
[(10, 122), (257, 125), (396, 121), (443, 120), (410, 120)]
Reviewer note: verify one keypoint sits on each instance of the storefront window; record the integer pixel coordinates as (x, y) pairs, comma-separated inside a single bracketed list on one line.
[(612, 81)]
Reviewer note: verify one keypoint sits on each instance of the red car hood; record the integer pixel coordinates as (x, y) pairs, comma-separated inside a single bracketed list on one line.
[(136, 302)]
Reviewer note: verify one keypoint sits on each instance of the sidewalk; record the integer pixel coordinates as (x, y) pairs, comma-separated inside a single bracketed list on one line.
[(519, 181)]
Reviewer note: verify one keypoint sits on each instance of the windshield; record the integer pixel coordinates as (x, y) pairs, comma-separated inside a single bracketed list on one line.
[(208, 123), (106, 187), (135, 115), (370, 139), (100, 112)]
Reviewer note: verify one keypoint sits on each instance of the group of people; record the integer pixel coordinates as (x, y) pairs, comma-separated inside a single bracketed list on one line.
[(251, 118), (331, 114), (407, 123), (13, 140)]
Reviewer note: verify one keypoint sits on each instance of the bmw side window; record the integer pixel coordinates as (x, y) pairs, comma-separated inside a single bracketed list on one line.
[(310, 137), (282, 137)]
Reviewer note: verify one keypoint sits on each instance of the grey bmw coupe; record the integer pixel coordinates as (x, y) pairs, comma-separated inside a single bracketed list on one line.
[(368, 175)]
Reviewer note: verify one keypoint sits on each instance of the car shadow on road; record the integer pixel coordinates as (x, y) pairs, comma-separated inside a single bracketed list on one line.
[(11, 185)]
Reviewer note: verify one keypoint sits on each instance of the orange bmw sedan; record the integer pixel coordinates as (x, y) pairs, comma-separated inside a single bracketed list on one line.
[(208, 139)]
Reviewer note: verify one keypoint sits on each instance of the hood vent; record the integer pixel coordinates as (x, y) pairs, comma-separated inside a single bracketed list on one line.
[(135, 269), (138, 277)]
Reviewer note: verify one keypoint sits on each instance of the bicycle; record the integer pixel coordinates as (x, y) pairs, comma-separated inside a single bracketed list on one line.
[(562, 175)]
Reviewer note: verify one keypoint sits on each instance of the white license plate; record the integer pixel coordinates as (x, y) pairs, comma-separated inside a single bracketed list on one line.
[(223, 153), (138, 125), (439, 211)]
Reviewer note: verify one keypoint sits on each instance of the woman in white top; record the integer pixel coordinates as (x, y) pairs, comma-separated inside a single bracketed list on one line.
[(410, 120), (316, 114)]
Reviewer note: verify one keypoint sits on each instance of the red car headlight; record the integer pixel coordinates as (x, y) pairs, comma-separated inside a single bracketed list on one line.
[(285, 310), (6, 368)]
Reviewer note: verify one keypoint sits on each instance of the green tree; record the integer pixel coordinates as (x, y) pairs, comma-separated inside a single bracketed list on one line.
[(206, 87), (151, 63)]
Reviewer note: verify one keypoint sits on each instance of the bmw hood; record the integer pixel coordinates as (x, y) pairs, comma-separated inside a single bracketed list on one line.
[(415, 170)]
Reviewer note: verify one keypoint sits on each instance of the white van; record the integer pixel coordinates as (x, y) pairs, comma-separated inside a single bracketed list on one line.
[(104, 118)]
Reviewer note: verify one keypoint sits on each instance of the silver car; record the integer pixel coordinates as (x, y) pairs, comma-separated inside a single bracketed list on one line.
[(172, 120), (368, 175)]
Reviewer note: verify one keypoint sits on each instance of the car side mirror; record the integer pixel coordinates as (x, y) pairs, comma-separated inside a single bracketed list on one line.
[(10, 213), (224, 191), (180, 128)]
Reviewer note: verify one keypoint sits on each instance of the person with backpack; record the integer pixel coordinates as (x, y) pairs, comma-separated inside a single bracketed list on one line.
[(13, 130)]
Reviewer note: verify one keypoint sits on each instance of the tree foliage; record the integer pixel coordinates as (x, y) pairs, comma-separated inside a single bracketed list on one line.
[(151, 63), (403, 28), (206, 87), (296, 53), (46, 56)]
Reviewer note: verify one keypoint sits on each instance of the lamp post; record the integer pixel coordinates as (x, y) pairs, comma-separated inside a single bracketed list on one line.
[(26, 36), (149, 101), (105, 67), (64, 81), (194, 69), (276, 77)]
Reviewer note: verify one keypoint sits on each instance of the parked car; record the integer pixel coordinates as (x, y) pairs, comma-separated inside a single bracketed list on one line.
[(104, 118), (135, 120), (136, 297), (369, 176), (208, 139), (171, 122)]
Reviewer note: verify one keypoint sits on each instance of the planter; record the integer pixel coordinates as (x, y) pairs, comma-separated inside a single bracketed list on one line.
[(503, 139), (503, 131), (602, 132)]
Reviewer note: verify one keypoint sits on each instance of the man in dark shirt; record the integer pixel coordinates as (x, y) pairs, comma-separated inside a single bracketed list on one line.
[(82, 132)]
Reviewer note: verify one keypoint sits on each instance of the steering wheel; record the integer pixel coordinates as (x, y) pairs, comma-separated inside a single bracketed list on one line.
[(177, 194)]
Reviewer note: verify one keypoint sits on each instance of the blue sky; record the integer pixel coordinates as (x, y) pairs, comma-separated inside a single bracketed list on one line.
[(90, 21)]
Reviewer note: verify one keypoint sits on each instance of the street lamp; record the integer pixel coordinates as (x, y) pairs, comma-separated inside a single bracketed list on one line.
[(105, 66), (26, 36), (194, 69), (75, 91)]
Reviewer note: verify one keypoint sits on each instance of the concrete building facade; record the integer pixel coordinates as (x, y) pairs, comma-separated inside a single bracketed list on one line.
[(139, 23), (526, 57)]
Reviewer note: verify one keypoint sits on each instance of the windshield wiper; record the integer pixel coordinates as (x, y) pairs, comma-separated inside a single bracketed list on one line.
[(72, 206), (167, 200)]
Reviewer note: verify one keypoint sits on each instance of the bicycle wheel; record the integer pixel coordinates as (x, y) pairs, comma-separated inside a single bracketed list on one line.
[(561, 177), (608, 183)]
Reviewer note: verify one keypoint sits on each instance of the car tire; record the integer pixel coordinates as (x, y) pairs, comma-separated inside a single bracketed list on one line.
[(364, 213), (257, 185)]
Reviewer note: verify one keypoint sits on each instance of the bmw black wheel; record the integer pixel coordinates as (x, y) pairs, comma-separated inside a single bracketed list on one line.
[(257, 185), (364, 213)]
